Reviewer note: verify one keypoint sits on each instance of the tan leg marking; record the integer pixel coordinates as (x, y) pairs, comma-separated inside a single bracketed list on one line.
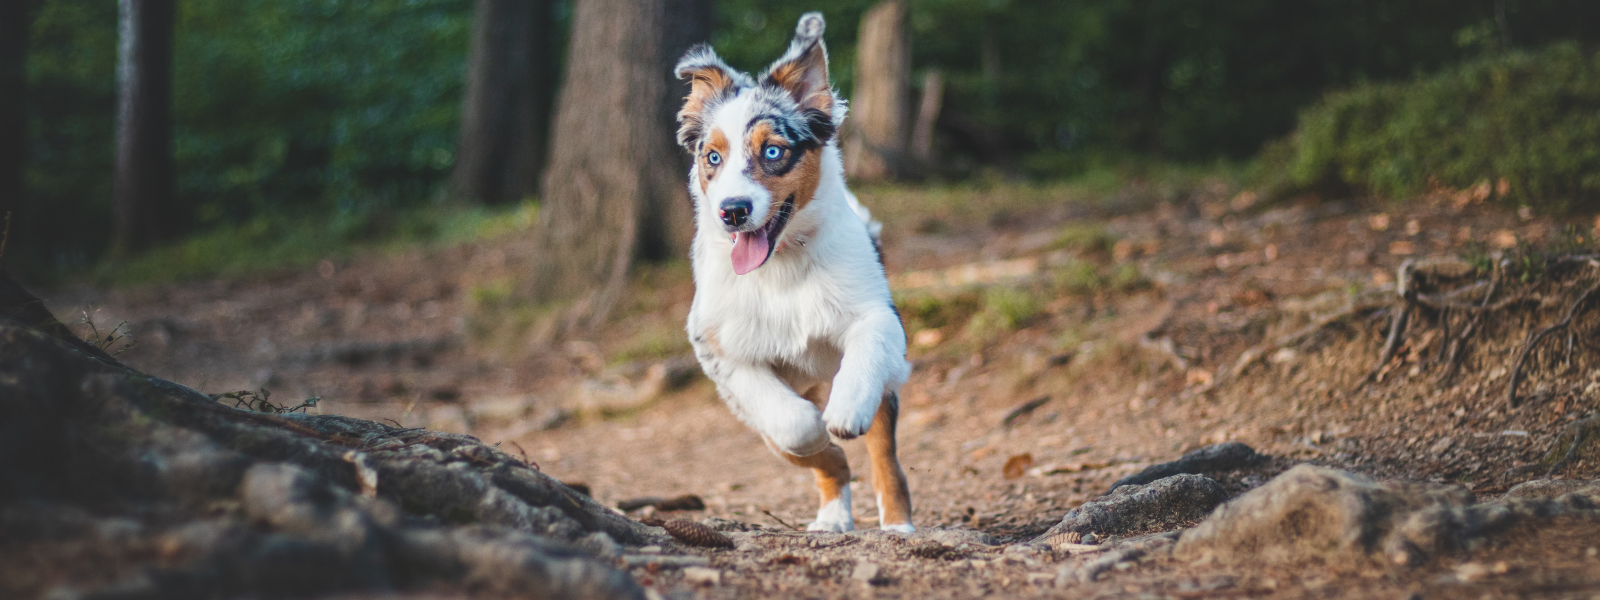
[(830, 466), (894, 495)]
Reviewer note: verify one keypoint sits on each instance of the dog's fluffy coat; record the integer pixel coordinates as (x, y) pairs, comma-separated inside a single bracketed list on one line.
[(806, 342)]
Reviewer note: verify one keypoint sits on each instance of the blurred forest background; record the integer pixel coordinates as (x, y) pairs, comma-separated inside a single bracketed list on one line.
[(299, 128)]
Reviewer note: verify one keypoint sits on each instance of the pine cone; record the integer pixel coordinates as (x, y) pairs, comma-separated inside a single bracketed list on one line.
[(1065, 537), (696, 534)]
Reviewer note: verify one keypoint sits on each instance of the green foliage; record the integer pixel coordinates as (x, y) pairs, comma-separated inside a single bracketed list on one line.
[(1085, 239), (1531, 118), (1186, 79), (274, 241), (1004, 309), (1085, 277), (284, 110), (928, 310)]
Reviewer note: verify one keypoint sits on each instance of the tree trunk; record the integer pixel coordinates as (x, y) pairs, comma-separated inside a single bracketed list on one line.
[(615, 188), (15, 17), (142, 189), (927, 116), (876, 149), (505, 110)]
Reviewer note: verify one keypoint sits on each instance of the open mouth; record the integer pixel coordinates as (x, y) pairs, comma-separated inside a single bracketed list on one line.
[(751, 249)]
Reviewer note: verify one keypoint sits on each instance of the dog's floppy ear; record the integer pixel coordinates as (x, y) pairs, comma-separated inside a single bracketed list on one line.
[(803, 72), (710, 81)]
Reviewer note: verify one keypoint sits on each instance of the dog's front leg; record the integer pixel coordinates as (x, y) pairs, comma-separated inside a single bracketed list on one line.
[(792, 424), (792, 427), (874, 364)]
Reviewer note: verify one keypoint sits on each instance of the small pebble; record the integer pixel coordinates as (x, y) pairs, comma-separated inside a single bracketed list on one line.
[(865, 571), (702, 576)]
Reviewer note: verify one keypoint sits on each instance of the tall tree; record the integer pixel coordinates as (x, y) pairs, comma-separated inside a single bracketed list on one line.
[(15, 17), (505, 111), (876, 148), (142, 186), (615, 187)]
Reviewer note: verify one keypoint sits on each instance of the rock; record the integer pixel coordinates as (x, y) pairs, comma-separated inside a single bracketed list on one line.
[(953, 537), (1312, 511), (866, 571), (702, 576), (1092, 570), (1552, 488), (726, 525), (1088, 539), (1164, 505), (1210, 459)]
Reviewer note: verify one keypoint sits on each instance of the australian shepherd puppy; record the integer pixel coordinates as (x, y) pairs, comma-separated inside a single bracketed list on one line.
[(792, 316)]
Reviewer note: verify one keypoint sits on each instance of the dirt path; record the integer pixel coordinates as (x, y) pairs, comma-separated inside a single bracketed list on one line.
[(1130, 325)]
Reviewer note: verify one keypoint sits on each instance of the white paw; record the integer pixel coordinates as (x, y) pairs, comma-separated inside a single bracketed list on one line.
[(899, 528), (833, 526), (848, 418), (835, 515)]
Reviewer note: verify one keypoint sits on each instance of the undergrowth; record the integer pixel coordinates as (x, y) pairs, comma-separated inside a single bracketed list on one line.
[(1525, 124), (281, 242)]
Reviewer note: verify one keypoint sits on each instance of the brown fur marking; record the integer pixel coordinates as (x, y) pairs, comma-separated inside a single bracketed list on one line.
[(706, 84), (894, 494), (806, 78), (719, 143), (830, 466), (800, 182)]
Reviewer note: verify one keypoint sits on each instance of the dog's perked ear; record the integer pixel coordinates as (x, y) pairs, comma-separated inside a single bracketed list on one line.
[(803, 72), (711, 81)]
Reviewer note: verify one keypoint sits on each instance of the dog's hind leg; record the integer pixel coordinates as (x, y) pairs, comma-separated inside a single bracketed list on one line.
[(833, 485), (894, 495)]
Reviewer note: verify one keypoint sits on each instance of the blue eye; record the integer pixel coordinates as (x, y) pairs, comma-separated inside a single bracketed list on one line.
[(713, 158), (773, 152)]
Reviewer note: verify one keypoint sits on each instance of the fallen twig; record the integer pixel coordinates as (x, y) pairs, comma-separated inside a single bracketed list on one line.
[(1023, 409), (780, 521)]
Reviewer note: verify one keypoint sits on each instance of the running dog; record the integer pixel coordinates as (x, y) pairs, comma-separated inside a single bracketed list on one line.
[(792, 316)]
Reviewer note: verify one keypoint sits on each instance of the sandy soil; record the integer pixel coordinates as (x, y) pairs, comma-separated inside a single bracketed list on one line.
[(1135, 372)]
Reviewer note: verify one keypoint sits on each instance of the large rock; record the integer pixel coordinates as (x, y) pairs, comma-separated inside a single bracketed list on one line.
[(1216, 458), (1171, 503), (1313, 512)]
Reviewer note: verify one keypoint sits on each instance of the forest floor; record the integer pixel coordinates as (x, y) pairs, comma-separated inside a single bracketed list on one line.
[(1126, 313)]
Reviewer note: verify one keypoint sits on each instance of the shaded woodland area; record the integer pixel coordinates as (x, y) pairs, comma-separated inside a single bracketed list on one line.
[(133, 125), (1204, 299)]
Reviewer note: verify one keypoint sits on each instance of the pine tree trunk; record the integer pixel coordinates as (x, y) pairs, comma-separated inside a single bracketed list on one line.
[(505, 110), (878, 111), (142, 187), (15, 17), (615, 188)]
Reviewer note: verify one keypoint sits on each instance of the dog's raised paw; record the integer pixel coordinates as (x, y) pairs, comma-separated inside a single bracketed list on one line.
[(846, 433), (848, 425)]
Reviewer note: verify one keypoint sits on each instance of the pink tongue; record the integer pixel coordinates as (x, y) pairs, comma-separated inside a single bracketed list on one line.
[(749, 251)]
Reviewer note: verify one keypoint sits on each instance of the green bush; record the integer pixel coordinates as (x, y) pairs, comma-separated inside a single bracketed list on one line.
[(1529, 118)]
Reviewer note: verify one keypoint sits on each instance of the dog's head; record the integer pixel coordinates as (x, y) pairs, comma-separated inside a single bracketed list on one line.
[(757, 142)]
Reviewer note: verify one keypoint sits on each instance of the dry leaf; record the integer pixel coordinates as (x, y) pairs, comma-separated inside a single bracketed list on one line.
[(1018, 465)]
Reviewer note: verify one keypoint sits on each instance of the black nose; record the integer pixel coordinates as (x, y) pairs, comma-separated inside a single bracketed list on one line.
[(735, 211)]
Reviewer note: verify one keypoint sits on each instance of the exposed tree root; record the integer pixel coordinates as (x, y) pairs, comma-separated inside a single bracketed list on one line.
[(1563, 326), (271, 504), (1578, 429)]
